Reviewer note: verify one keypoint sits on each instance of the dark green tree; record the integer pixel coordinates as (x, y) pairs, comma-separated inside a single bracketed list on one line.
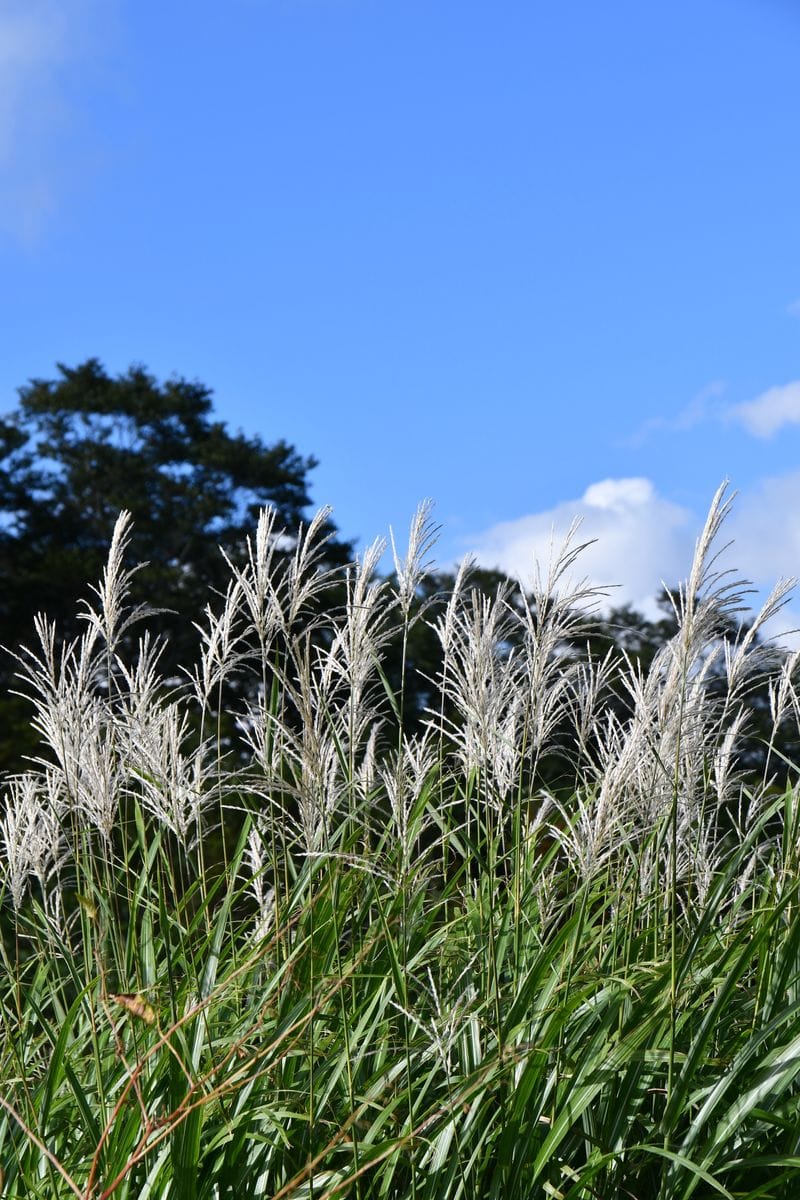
[(83, 446)]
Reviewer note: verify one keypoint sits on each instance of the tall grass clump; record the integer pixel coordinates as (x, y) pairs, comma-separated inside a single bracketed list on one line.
[(259, 940)]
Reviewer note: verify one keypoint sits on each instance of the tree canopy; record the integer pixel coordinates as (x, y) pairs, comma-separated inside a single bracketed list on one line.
[(83, 446)]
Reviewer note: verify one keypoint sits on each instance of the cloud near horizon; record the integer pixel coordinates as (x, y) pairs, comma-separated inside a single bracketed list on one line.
[(643, 539)]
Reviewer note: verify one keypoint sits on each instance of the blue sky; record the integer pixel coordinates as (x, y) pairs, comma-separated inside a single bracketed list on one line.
[(531, 260)]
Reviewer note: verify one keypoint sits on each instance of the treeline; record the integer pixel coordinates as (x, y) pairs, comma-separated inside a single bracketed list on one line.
[(81, 447)]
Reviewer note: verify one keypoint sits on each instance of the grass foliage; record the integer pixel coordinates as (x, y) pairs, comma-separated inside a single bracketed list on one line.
[(331, 960)]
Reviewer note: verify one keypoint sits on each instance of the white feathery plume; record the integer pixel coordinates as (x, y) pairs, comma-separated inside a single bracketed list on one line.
[(263, 894), (172, 783), (675, 757), (552, 615), (368, 767), (590, 831), (142, 681), (477, 675), (404, 776), (114, 617), (256, 580), (69, 716), (221, 644), (306, 578), (275, 590), (31, 835), (412, 569), (97, 774)]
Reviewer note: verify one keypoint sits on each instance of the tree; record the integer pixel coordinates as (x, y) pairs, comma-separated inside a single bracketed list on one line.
[(82, 447)]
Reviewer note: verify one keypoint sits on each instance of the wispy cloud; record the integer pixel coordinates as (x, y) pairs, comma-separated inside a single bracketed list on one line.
[(761, 417), (40, 40), (770, 411), (703, 407), (793, 309)]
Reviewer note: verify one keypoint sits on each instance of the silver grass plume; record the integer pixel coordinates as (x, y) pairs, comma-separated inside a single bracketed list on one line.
[(416, 564), (404, 775), (115, 616), (31, 834), (263, 894), (222, 644), (477, 675), (553, 614), (275, 591), (673, 758), (75, 722), (171, 780)]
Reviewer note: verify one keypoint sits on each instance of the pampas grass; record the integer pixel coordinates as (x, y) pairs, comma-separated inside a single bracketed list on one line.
[(318, 957)]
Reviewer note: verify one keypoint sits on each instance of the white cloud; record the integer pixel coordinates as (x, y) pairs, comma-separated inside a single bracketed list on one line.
[(40, 41), (765, 527), (642, 540), (773, 409)]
